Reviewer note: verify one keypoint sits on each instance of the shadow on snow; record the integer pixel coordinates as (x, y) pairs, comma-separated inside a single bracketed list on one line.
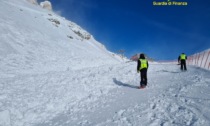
[(169, 71), (119, 83)]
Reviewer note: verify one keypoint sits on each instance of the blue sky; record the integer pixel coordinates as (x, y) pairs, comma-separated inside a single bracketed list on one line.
[(162, 32)]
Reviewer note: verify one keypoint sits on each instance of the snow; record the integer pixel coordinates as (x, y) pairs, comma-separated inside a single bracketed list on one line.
[(49, 79), (108, 95)]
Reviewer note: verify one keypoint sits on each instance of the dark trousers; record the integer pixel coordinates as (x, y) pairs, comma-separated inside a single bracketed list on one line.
[(143, 74), (183, 64)]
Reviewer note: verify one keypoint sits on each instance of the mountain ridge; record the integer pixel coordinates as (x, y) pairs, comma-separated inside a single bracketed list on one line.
[(35, 38)]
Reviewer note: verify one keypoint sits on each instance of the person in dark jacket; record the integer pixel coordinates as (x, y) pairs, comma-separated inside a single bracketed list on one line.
[(182, 59), (142, 67)]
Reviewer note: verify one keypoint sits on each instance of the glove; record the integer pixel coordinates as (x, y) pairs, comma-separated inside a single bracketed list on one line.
[(138, 71)]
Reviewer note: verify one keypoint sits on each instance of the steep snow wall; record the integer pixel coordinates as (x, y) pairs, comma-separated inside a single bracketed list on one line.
[(38, 40)]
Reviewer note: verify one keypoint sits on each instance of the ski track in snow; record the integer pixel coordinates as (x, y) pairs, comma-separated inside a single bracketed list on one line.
[(107, 95), (31, 98)]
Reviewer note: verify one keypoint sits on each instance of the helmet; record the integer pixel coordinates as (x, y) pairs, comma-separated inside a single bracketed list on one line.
[(142, 56)]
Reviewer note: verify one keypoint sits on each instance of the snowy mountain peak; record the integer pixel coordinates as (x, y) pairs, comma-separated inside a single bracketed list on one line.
[(46, 5)]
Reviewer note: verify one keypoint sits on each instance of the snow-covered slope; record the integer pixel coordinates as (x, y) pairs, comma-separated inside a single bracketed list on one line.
[(34, 39), (107, 96), (53, 73)]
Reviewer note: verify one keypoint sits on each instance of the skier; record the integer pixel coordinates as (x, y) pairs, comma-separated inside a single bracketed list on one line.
[(142, 67), (182, 59)]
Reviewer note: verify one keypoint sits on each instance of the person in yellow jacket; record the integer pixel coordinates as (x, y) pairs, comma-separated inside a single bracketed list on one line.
[(182, 59), (142, 67)]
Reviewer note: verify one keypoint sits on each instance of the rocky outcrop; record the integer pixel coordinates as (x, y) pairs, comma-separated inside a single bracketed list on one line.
[(33, 2), (79, 31), (46, 5)]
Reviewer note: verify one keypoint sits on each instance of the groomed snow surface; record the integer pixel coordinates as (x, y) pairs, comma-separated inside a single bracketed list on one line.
[(107, 96)]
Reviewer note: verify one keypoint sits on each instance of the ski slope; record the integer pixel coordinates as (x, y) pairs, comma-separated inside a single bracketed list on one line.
[(57, 74), (107, 95)]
